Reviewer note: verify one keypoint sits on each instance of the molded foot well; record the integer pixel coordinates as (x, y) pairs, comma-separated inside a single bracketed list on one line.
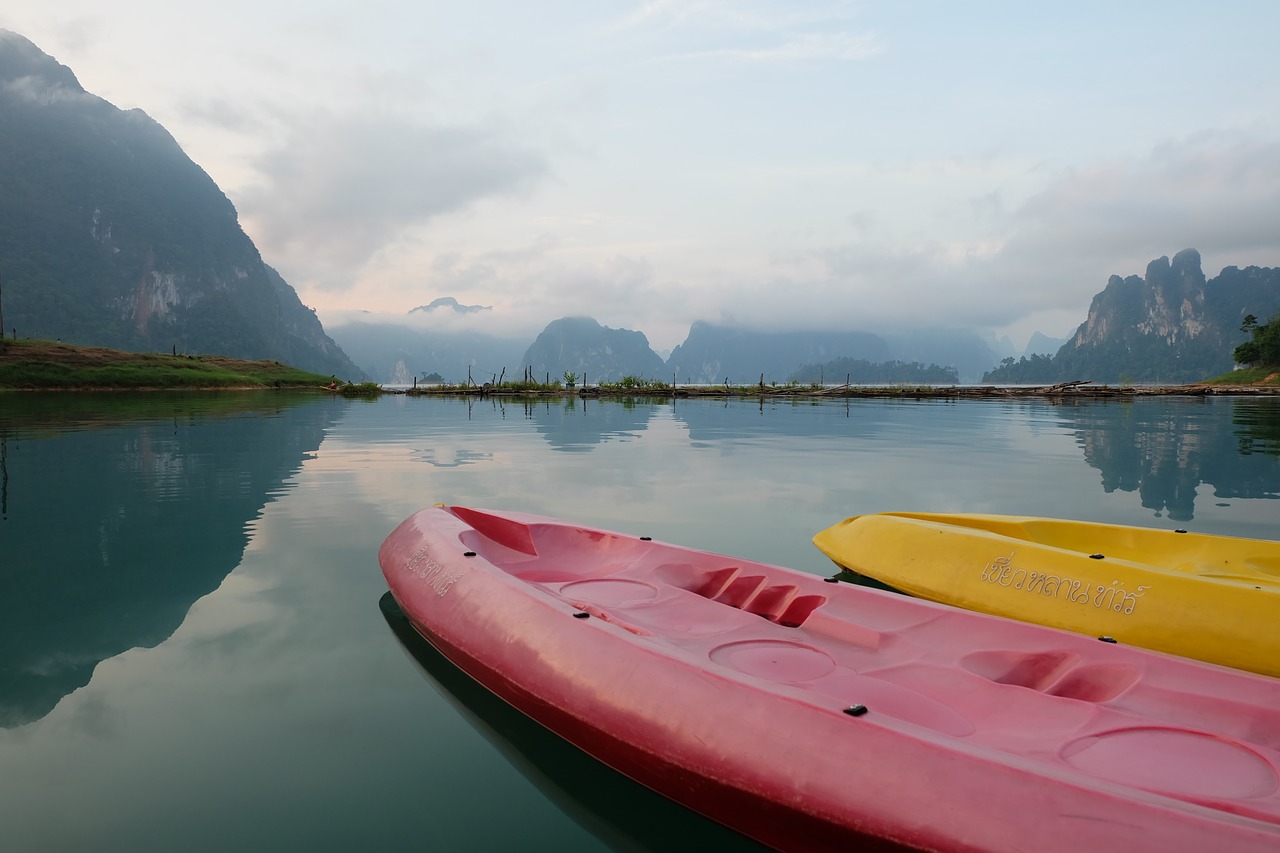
[(780, 603), (800, 609), (741, 590), (1054, 673), (707, 584), (771, 601)]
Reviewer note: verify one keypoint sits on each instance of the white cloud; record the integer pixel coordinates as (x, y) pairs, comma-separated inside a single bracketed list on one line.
[(1009, 267), (751, 31), (340, 188), (1217, 192), (1045, 257)]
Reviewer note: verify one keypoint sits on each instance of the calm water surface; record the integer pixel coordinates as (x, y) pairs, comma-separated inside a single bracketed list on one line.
[(192, 651)]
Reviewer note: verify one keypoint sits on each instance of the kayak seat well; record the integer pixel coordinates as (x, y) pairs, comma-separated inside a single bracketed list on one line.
[(1036, 670), (780, 603), (504, 531), (546, 553), (1260, 570), (1053, 673), (1264, 565)]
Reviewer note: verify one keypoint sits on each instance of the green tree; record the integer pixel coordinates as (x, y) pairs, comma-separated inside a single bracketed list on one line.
[(1263, 348), (1025, 371)]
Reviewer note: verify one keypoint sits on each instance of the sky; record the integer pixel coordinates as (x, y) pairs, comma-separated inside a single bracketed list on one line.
[(869, 165)]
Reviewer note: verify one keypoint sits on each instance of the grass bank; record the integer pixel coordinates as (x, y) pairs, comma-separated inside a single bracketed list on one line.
[(55, 366), (1265, 377)]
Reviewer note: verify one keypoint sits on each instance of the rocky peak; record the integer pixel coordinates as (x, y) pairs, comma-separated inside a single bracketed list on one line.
[(28, 70), (1174, 298), (1167, 303), (449, 302)]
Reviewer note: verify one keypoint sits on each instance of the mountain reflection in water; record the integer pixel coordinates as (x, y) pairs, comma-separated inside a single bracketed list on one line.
[(119, 514), (1166, 452)]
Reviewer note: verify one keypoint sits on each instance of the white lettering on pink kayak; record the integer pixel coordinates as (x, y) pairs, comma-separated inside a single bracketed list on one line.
[(436, 575)]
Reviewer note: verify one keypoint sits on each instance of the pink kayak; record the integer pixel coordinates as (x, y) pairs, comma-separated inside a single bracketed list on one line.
[(813, 715)]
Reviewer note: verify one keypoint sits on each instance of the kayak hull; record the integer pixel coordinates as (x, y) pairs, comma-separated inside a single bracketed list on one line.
[(818, 716), (1213, 598)]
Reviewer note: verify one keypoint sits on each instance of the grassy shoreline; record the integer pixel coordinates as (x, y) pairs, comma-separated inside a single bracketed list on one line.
[(35, 365)]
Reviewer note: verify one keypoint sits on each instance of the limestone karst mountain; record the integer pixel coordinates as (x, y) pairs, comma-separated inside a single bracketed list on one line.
[(110, 235)]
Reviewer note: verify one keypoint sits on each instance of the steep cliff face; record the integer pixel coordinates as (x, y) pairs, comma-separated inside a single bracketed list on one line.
[(1167, 304), (1170, 325), (1175, 299), (111, 235)]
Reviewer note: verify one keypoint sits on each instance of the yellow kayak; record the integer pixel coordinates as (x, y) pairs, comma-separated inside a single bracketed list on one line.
[(1215, 598)]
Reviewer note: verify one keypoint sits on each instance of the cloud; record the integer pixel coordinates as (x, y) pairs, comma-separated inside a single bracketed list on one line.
[(802, 47), (1047, 255), (751, 31), (538, 284), (1027, 264), (1217, 192), (529, 286), (732, 15), (221, 113), (338, 189)]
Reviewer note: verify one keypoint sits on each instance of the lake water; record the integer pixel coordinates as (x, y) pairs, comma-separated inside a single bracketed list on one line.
[(193, 655)]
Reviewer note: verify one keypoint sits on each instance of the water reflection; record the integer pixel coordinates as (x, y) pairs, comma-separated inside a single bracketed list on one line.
[(1258, 423), (1163, 449), (454, 458), (623, 814), (1166, 449), (709, 422), (119, 514), (578, 425)]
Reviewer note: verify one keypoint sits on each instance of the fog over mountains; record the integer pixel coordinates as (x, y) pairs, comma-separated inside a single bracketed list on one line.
[(110, 235), (397, 352), (1172, 325)]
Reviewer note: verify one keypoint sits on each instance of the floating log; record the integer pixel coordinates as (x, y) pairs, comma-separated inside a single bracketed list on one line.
[(1082, 390)]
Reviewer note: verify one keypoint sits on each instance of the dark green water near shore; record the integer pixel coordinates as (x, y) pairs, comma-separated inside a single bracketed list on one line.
[(192, 651)]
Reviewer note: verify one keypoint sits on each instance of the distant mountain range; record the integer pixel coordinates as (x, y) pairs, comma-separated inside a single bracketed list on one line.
[(397, 354), (1170, 326), (1041, 344), (711, 353), (110, 235)]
